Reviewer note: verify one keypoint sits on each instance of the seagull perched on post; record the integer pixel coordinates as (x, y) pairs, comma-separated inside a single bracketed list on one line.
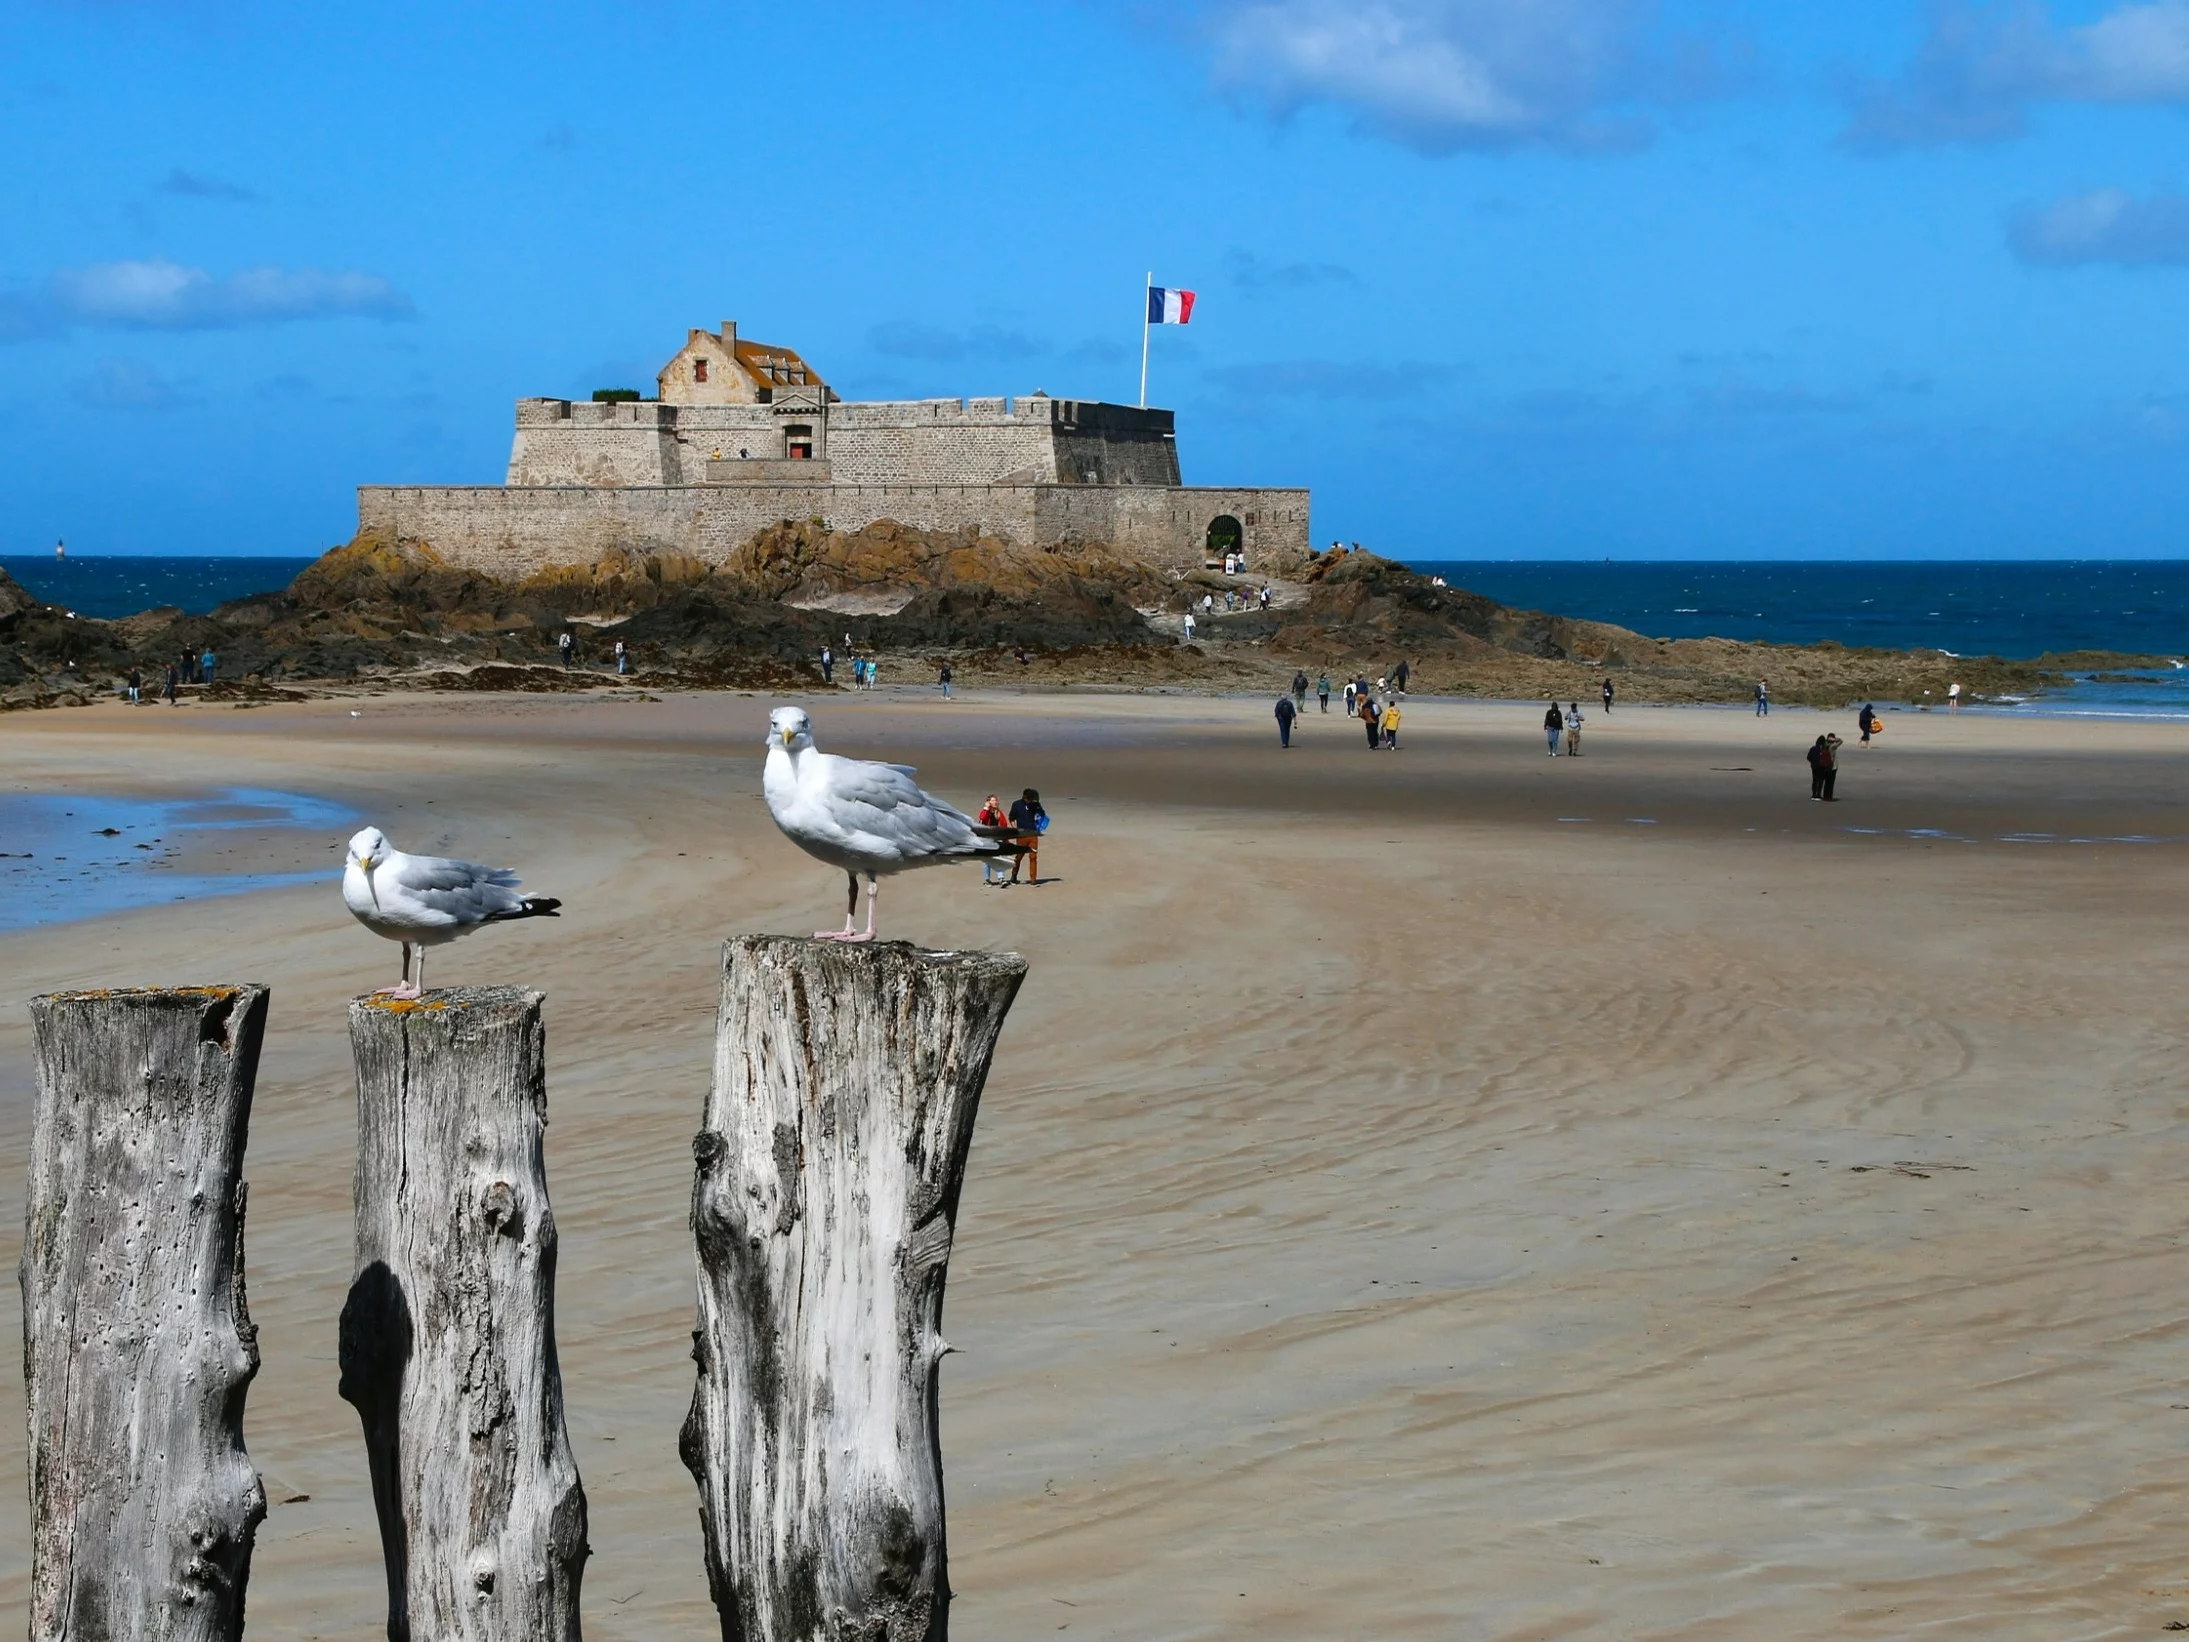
[(424, 900), (867, 818)]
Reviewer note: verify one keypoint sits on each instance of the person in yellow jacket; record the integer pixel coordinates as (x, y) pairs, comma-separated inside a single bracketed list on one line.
[(1391, 725)]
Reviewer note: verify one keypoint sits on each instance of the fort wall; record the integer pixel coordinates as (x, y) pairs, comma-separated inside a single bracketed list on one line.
[(1030, 440), (513, 531)]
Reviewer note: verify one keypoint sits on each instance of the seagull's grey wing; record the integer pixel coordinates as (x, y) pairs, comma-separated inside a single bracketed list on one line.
[(881, 806), (463, 892)]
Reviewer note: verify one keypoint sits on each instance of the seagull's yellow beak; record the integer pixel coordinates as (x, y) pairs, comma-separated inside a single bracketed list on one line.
[(361, 863), (787, 733)]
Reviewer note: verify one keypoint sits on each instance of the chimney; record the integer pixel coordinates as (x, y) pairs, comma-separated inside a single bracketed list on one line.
[(729, 335)]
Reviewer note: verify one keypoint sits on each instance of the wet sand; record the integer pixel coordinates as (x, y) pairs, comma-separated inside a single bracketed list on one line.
[(1396, 1210)]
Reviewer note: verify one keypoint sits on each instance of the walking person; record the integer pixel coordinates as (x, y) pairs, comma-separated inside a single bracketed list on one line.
[(170, 689), (136, 685), (1763, 698), (1352, 703), (1032, 821), (828, 665), (1399, 676), (1953, 696), (567, 645), (1867, 720), (1189, 626), (1286, 712), (1322, 690), (1371, 720), (992, 815), (1607, 695), (623, 660), (1573, 730), (1554, 726), (1391, 725), (1299, 692), (942, 679)]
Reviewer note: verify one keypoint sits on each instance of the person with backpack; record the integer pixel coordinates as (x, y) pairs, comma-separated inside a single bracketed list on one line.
[(1554, 725), (1299, 692), (1032, 821), (1286, 713), (1824, 767), (1322, 690)]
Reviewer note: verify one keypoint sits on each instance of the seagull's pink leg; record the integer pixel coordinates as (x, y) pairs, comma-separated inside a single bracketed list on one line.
[(404, 989), (851, 912), (873, 894)]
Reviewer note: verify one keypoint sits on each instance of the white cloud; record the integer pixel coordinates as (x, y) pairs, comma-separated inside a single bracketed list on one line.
[(2104, 225), (161, 295), (1443, 75), (1982, 67)]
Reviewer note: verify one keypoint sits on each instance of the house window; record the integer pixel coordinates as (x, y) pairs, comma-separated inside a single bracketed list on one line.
[(699, 370)]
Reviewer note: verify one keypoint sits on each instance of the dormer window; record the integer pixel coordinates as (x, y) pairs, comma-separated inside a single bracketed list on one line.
[(699, 370)]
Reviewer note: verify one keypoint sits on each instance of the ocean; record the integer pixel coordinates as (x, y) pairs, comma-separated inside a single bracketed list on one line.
[(2015, 609), (106, 586)]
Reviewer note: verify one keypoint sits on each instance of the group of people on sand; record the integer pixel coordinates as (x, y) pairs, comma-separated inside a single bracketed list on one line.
[(1567, 725), (1027, 821), (1375, 707)]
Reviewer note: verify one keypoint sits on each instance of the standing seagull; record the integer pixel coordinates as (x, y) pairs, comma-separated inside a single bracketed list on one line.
[(424, 900), (863, 817)]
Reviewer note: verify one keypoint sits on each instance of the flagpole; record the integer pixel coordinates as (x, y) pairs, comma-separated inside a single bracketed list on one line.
[(1144, 339)]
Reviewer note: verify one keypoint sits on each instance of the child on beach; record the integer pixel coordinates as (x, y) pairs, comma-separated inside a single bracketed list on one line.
[(1391, 725)]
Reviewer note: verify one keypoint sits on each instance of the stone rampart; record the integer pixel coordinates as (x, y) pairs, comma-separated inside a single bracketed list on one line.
[(513, 531), (1030, 440)]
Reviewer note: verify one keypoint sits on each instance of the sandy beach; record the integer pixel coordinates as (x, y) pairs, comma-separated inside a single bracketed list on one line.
[(1439, 1193)]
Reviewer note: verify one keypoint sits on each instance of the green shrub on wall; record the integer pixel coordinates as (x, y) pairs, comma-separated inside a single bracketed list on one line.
[(616, 396)]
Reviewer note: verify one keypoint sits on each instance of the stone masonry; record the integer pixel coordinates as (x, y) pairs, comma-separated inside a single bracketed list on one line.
[(702, 478)]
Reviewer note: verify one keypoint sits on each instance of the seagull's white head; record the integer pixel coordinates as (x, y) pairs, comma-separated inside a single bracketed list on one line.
[(789, 728), (370, 847)]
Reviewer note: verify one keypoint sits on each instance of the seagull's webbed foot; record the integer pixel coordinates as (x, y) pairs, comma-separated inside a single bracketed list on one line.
[(404, 989)]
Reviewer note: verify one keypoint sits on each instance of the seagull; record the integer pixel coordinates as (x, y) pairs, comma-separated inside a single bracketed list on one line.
[(424, 900), (866, 818)]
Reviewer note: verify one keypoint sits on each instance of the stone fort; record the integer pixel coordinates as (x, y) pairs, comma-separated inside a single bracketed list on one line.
[(742, 435)]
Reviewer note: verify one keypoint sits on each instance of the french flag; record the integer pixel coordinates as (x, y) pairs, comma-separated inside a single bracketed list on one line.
[(1169, 307)]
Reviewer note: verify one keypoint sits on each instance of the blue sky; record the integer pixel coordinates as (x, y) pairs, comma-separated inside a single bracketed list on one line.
[(1497, 278)]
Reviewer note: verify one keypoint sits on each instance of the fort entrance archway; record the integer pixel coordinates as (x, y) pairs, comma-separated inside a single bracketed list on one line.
[(1225, 535)]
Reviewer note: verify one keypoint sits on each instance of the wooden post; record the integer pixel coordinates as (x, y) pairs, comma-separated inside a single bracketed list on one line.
[(448, 1337), (846, 1079), (137, 1341)]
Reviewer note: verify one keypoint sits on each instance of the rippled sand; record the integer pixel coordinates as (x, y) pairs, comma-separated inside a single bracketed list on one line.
[(1396, 1210)]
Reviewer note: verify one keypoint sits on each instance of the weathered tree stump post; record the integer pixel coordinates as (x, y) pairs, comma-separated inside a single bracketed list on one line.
[(137, 1341), (448, 1337), (846, 1079)]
